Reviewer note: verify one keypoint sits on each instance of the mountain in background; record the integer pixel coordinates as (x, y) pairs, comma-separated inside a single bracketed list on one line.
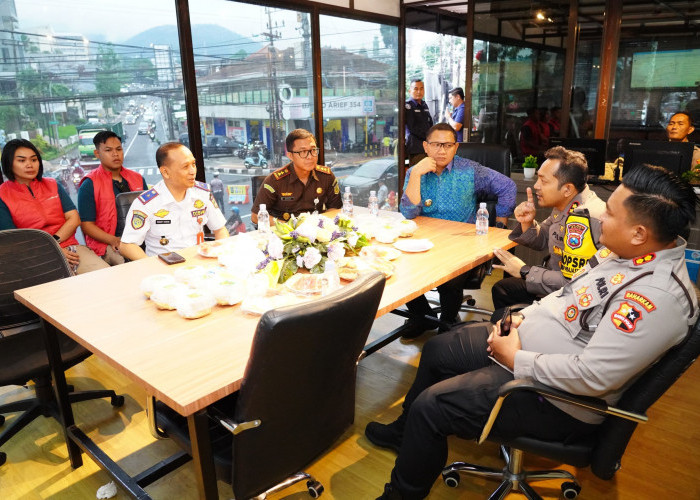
[(209, 40)]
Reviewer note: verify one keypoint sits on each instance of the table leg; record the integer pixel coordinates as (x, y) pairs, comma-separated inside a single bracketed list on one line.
[(203, 460), (65, 411)]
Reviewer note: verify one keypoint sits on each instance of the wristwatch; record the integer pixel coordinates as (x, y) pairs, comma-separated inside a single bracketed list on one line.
[(57, 237), (524, 271)]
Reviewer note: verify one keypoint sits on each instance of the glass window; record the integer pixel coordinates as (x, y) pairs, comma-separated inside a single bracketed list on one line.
[(359, 62), (73, 71), (250, 60)]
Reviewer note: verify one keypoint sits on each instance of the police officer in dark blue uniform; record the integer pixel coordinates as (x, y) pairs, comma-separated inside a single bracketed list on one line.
[(418, 122)]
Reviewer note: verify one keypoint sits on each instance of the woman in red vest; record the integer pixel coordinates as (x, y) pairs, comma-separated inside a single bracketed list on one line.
[(27, 200)]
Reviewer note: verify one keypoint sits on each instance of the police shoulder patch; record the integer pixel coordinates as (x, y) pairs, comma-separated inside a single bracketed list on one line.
[(626, 317), (138, 219), (148, 196), (201, 185), (644, 259), (641, 300), (321, 168), (281, 173)]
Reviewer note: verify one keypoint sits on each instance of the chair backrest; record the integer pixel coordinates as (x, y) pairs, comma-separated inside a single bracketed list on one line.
[(28, 257), (615, 433), (124, 201), (300, 382), (494, 156), (256, 182)]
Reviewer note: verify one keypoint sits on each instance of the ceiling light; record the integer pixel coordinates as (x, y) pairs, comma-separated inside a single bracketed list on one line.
[(540, 15)]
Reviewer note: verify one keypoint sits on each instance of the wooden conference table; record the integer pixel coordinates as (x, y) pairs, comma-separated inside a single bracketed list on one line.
[(190, 364)]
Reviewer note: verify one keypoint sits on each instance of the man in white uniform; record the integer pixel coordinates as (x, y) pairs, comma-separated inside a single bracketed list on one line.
[(172, 215)]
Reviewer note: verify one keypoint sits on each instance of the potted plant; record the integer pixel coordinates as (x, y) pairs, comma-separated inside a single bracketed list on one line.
[(529, 166)]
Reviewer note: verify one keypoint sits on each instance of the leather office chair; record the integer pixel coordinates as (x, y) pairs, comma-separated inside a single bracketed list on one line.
[(498, 158), (601, 451), (297, 395), (124, 201), (30, 257)]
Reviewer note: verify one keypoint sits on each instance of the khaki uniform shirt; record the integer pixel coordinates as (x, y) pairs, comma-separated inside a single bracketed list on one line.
[(553, 234), (285, 195), (607, 325)]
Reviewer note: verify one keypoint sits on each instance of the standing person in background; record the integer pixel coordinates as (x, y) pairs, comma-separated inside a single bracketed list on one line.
[(97, 197), (418, 121), (456, 118), (30, 201), (217, 190)]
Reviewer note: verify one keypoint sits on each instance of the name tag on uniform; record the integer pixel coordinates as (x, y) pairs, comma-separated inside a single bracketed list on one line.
[(162, 221), (287, 198)]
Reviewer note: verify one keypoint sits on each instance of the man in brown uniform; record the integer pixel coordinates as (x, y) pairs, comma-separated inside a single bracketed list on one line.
[(299, 186)]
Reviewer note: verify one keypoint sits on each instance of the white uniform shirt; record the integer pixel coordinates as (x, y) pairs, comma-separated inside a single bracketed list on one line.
[(167, 225)]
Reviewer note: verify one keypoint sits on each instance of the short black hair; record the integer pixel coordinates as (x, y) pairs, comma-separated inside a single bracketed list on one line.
[(573, 166), (686, 114), (441, 126), (661, 201), (163, 150), (457, 91), (8, 157), (102, 136), (296, 134), (414, 80)]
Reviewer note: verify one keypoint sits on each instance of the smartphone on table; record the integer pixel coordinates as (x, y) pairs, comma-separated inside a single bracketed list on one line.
[(171, 258)]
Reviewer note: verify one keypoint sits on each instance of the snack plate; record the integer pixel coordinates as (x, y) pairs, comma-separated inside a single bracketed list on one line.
[(305, 284), (421, 245), (384, 252), (211, 249)]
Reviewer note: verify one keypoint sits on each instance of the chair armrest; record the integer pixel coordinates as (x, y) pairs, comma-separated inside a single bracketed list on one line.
[(228, 424), (597, 405)]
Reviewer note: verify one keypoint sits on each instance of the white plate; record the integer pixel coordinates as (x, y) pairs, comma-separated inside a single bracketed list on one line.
[(414, 245)]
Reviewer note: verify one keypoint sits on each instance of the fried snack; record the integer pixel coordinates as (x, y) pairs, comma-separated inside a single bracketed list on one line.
[(150, 283), (387, 253), (195, 304), (407, 227), (347, 268), (166, 296)]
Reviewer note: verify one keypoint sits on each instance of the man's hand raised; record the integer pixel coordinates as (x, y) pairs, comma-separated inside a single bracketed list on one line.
[(525, 212), (424, 166)]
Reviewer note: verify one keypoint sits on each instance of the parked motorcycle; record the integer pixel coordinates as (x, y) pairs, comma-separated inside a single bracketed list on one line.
[(256, 160)]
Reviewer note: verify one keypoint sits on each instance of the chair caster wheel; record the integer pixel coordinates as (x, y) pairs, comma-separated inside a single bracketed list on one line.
[(117, 401), (570, 490), (315, 488), (451, 478), (2, 420), (471, 302), (3, 458)]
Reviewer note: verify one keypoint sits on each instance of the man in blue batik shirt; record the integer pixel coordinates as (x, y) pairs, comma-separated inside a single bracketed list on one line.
[(446, 186)]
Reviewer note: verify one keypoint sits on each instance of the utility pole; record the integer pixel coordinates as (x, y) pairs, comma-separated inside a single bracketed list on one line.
[(274, 106)]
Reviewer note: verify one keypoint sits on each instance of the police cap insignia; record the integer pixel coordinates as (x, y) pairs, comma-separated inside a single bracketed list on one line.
[(148, 196), (138, 219)]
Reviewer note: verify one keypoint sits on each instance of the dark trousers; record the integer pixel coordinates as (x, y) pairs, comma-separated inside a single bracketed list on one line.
[(511, 291), (455, 388), (219, 197), (451, 295)]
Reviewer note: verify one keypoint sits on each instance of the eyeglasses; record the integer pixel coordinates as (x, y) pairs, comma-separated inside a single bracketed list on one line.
[(441, 145), (306, 152)]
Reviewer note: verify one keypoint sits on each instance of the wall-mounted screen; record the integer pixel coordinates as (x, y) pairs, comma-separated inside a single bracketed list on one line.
[(665, 69)]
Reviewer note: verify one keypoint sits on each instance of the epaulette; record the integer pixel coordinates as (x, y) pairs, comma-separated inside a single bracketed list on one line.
[(281, 173), (325, 170), (201, 185), (148, 195)]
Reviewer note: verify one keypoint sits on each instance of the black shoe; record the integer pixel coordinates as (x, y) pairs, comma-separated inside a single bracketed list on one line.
[(413, 329), (390, 493), (385, 435)]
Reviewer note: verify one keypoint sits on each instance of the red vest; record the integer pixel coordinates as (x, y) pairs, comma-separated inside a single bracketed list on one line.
[(105, 203), (41, 211)]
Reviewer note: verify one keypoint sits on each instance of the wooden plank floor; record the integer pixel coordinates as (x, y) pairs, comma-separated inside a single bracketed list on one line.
[(661, 461)]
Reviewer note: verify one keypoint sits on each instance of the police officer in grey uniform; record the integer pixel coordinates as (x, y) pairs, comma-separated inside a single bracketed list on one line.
[(418, 122), (631, 303), (571, 232), (172, 215)]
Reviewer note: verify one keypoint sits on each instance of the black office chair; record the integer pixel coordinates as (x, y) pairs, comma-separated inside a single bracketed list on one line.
[(497, 158), (124, 201), (602, 451), (297, 395), (30, 257)]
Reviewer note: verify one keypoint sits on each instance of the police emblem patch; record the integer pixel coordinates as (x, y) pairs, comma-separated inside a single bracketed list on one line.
[(161, 213), (198, 204), (617, 279), (571, 313), (574, 234), (626, 317), (585, 300), (138, 219), (644, 259)]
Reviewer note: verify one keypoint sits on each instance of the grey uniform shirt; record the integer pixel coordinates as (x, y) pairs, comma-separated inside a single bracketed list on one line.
[(607, 325), (167, 225), (551, 234)]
